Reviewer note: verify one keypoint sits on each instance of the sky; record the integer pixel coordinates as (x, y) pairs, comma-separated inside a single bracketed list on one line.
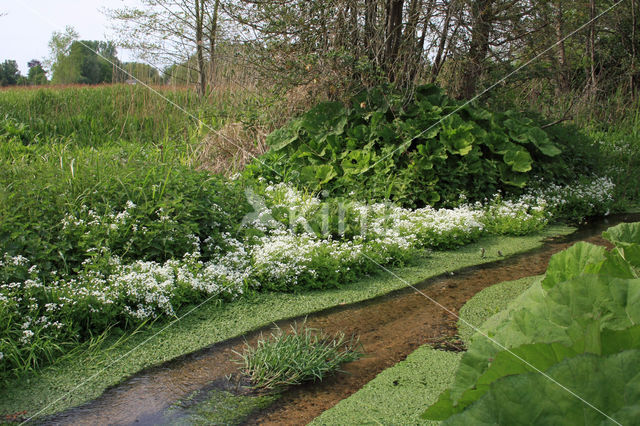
[(26, 28)]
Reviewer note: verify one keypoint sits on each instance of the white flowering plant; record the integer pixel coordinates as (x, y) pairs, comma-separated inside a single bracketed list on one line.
[(292, 241), (522, 216), (587, 197)]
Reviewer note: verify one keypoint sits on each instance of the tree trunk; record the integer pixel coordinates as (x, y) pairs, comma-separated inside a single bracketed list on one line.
[(632, 74), (199, 15), (410, 52), (353, 26), (213, 39), (393, 35), (482, 17), (592, 48), (562, 73), (370, 24), (439, 60)]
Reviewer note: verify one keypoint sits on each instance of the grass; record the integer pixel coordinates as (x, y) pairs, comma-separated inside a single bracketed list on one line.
[(291, 358), (400, 394), (97, 115), (619, 154), (60, 387)]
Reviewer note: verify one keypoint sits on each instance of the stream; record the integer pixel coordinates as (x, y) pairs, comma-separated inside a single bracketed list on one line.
[(390, 327)]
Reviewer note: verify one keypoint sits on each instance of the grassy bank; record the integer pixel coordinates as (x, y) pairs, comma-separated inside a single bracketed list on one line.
[(57, 388), (400, 394)]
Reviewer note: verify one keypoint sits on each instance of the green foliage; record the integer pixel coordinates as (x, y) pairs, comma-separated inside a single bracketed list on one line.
[(37, 75), (216, 407), (415, 151), (93, 116), (292, 358), (118, 200), (618, 151), (87, 116), (9, 73), (519, 399), (519, 217), (587, 303)]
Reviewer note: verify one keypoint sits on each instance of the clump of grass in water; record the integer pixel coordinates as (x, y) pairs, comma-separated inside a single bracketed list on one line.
[(304, 354)]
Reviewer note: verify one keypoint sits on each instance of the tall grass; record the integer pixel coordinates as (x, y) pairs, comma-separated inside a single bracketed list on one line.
[(92, 116)]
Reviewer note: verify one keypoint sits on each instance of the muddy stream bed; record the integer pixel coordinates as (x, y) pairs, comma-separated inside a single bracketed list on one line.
[(390, 327)]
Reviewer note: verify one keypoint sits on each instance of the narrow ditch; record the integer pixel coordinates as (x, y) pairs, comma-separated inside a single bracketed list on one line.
[(390, 328)]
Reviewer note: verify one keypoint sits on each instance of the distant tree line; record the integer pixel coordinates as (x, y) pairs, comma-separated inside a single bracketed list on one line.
[(74, 61), (10, 74), (337, 46)]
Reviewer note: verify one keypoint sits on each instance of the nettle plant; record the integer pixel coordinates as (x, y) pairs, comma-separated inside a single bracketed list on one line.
[(419, 151)]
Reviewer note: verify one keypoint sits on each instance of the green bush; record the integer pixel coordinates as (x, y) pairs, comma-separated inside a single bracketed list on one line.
[(424, 150)]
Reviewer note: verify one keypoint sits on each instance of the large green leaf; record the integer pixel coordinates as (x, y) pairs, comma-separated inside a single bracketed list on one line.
[(577, 390), (626, 237), (571, 263), (359, 133), (325, 118), (457, 136), (531, 358), (572, 313), (429, 92), (512, 178), (516, 130), (519, 360), (541, 140), (613, 265), (624, 233), (356, 162), (318, 175), (519, 159), (283, 137)]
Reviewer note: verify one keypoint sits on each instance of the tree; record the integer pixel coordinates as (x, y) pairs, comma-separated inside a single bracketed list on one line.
[(81, 61), (37, 75), (139, 71), (64, 71), (9, 73), (166, 32)]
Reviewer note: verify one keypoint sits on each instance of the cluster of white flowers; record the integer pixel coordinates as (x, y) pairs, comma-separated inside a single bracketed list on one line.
[(281, 257), (88, 220), (522, 216), (591, 197), (284, 195)]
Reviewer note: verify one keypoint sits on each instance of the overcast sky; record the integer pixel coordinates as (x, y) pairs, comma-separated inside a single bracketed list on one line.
[(26, 28)]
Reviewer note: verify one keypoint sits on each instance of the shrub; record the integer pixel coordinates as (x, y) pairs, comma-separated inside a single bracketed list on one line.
[(420, 151)]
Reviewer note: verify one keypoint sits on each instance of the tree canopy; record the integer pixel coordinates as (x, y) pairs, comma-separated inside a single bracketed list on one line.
[(9, 73)]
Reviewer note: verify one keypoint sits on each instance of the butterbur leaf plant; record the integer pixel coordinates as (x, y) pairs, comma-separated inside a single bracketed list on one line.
[(291, 358), (420, 150), (579, 325)]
